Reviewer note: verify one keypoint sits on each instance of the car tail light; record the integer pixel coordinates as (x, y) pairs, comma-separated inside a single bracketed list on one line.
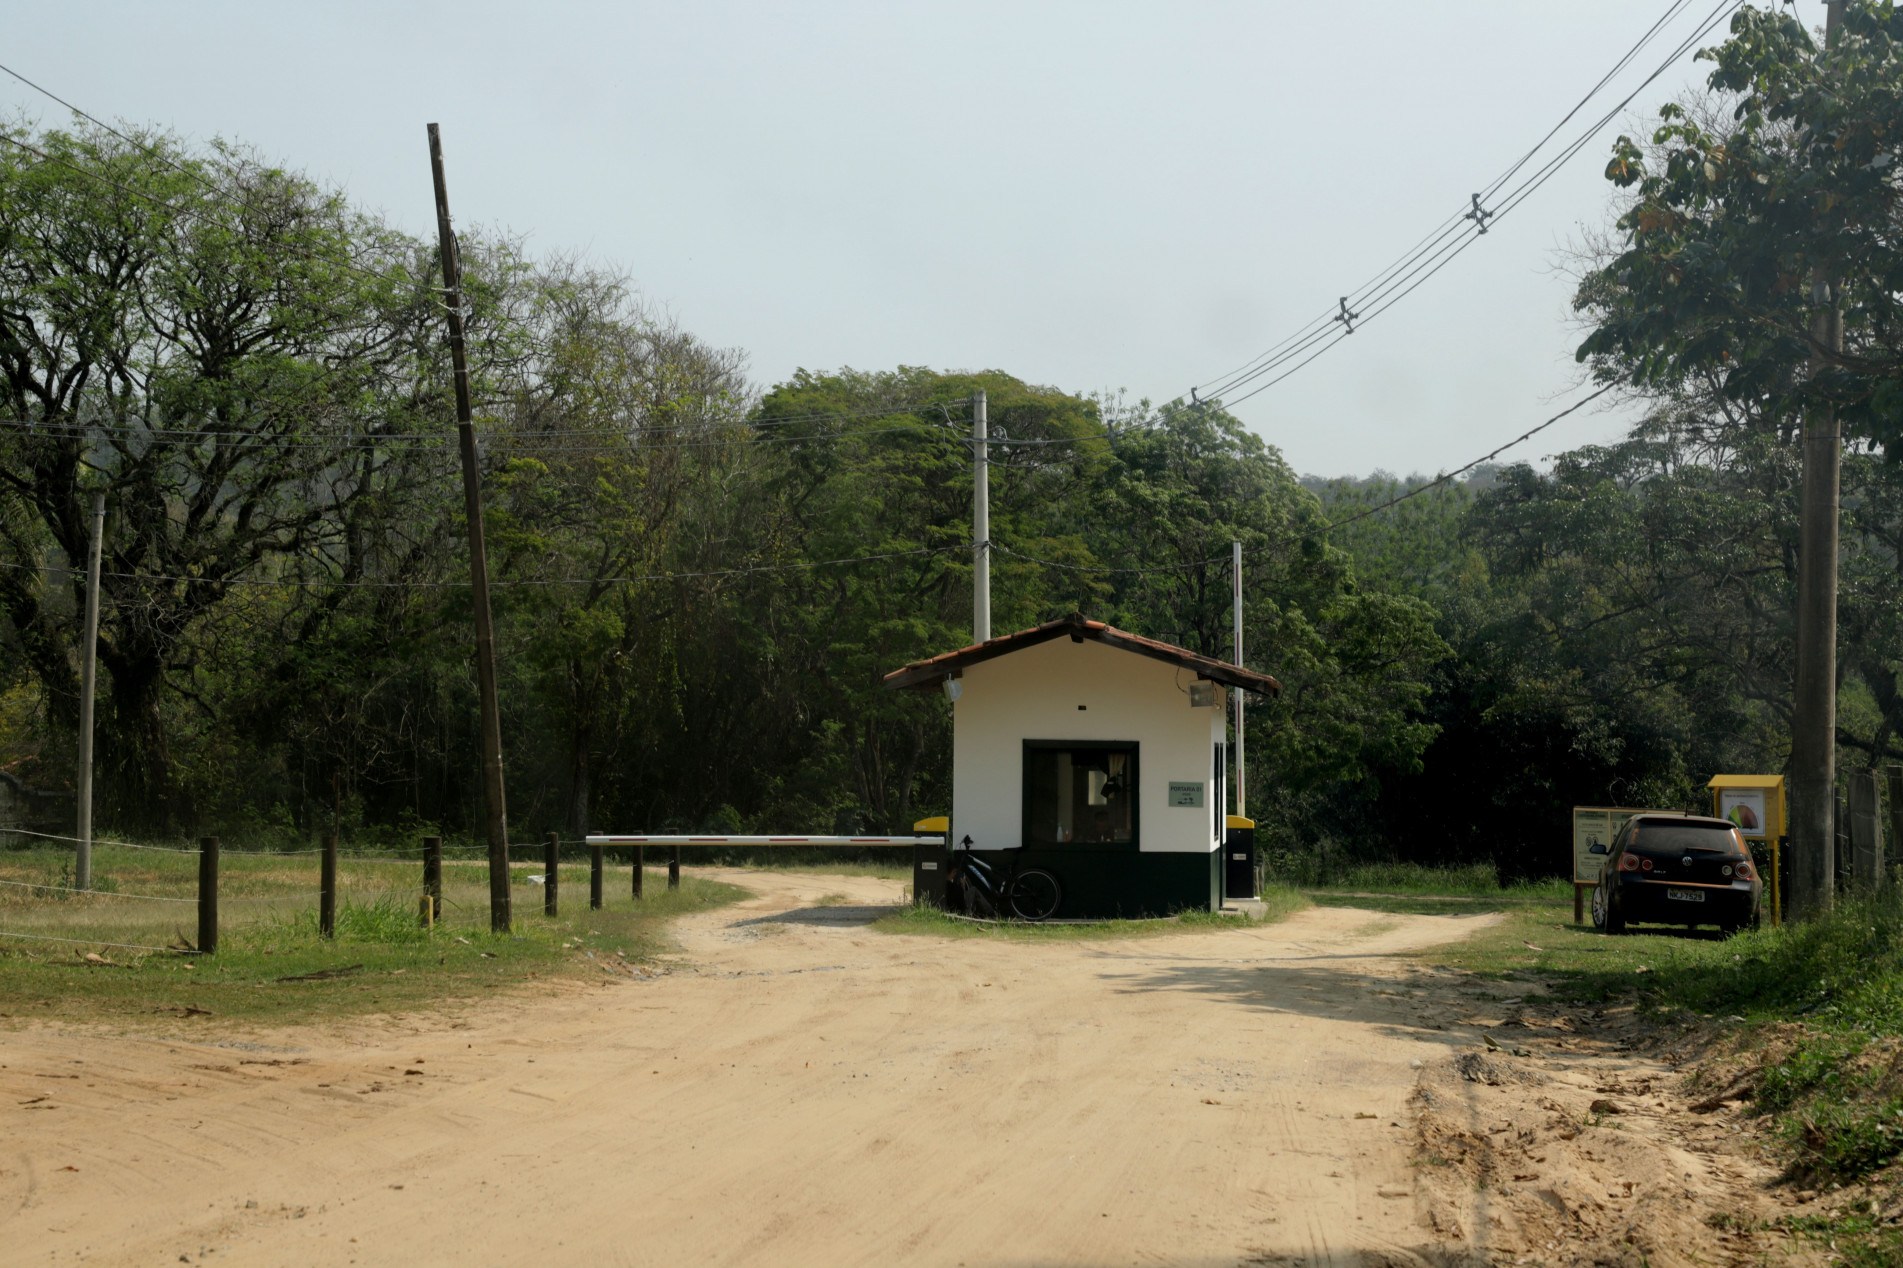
[(1628, 863), (1746, 872), (1645, 865)]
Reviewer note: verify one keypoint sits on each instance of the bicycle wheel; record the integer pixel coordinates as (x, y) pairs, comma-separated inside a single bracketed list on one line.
[(1035, 895)]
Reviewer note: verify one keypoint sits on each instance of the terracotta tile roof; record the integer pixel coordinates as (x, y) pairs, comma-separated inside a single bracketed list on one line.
[(931, 672)]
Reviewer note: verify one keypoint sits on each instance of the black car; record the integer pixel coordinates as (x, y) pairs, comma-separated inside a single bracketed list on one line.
[(1680, 870)]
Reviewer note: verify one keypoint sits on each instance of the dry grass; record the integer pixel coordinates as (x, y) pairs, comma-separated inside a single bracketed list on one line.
[(381, 960)]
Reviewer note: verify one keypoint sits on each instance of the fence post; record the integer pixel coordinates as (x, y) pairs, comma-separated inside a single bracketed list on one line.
[(1893, 803), (640, 865), (433, 878), (551, 858), (594, 878), (1866, 829), (327, 889), (674, 869), (208, 895), (1840, 827)]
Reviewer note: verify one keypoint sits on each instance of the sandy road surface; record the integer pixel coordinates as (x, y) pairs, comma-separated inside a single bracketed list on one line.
[(796, 1089)]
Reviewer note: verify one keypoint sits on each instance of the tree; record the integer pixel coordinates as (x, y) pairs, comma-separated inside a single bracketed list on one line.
[(220, 344), (1731, 214), (1762, 256)]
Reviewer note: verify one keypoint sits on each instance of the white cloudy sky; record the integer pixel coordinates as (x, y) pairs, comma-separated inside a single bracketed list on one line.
[(1092, 195)]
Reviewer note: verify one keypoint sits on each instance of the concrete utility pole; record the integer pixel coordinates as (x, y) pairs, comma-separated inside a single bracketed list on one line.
[(980, 521), (497, 817), (1814, 690), (1235, 576), (88, 685)]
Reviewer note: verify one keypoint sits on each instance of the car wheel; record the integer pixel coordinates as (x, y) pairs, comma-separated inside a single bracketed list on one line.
[(1614, 921), (1599, 907)]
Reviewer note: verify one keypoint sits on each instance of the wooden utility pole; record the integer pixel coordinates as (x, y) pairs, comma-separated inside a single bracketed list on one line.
[(496, 811), (88, 685), (980, 520), (1814, 688), (1235, 568)]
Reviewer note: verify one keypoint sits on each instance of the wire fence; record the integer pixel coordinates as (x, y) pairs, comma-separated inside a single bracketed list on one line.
[(174, 899)]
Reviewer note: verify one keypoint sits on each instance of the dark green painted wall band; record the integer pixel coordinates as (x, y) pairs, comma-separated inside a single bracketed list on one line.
[(1113, 883)]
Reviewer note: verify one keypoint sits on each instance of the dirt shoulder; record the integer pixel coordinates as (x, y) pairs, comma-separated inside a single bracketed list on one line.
[(1565, 1136), (799, 1088)]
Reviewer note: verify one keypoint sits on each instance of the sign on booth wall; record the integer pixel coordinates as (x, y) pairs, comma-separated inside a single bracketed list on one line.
[(1744, 807), (1185, 793)]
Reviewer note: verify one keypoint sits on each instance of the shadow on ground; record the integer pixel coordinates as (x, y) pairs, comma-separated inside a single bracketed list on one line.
[(837, 916)]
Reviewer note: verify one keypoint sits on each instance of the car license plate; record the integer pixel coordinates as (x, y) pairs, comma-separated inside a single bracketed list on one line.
[(1686, 895)]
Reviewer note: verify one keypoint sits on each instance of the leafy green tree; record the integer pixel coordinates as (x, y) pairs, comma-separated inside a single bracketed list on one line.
[(214, 339), (1787, 172)]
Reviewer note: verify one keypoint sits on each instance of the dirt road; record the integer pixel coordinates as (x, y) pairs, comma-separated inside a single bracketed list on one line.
[(795, 1089)]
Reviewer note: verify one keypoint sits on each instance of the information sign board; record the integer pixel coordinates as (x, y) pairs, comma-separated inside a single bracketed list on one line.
[(1599, 825), (1186, 793)]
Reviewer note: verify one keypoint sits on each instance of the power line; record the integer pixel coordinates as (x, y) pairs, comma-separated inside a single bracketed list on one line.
[(1454, 234), (532, 443), (224, 195), (1092, 568), (520, 583), (1460, 471)]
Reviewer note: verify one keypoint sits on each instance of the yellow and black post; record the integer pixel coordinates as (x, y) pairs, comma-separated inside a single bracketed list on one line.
[(1238, 858)]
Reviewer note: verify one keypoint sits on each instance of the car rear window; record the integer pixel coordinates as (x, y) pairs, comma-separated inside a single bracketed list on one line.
[(1671, 837)]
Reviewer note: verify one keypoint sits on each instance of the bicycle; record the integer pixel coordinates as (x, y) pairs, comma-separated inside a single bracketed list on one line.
[(1030, 894)]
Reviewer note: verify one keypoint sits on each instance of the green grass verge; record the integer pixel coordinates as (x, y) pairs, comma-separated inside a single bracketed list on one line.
[(1278, 903), (381, 960)]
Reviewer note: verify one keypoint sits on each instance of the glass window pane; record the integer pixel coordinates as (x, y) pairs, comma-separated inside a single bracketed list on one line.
[(1084, 794)]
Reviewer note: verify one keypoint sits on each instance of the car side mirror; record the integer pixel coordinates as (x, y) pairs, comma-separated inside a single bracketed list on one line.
[(1597, 847)]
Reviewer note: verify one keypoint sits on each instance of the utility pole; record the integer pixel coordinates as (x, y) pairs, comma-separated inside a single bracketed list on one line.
[(1235, 577), (88, 684), (980, 521), (497, 816), (1814, 689)]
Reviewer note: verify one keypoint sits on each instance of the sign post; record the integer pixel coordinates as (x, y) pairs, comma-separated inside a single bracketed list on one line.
[(1756, 805), (1596, 825)]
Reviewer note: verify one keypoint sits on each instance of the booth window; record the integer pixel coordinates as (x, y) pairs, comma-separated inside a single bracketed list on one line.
[(1080, 792)]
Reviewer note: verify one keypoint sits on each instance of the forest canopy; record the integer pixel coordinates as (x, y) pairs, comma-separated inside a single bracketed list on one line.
[(699, 579)]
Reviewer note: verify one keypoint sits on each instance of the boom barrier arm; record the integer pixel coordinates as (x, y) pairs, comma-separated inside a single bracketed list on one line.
[(618, 839)]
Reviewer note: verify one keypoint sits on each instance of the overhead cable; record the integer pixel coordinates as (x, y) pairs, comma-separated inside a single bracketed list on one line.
[(1522, 438), (1454, 234)]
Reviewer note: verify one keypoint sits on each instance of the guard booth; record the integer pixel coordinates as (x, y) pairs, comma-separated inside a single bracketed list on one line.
[(1757, 806), (1095, 754)]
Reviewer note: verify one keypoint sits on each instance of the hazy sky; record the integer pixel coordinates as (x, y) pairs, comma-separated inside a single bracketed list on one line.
[(1087, 195)]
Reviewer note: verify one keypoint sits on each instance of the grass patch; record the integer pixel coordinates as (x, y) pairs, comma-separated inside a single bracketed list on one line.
[(1278, 901), (381, 960)]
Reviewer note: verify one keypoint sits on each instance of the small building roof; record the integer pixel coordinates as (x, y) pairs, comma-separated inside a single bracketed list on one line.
[(931, 672), (1746, 781)]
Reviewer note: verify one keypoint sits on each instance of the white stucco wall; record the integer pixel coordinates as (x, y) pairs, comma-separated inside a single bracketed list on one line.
[(1033, 694)]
